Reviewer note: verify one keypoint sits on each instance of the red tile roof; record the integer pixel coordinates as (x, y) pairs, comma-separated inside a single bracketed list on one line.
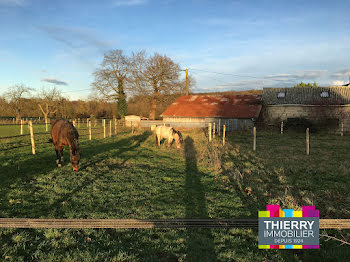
[(225, 106)]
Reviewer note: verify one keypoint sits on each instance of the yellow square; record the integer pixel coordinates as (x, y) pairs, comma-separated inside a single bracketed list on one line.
[(298, 213)]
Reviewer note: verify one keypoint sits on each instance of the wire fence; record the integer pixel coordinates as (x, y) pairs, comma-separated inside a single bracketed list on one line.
[(255, 137), (88, 130)]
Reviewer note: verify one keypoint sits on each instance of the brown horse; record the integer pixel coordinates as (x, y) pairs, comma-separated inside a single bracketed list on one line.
[(63, 134), (169, 133)]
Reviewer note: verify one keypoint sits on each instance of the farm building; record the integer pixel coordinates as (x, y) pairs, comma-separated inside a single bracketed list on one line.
[(236, 111), (318, 105), (132, 120)]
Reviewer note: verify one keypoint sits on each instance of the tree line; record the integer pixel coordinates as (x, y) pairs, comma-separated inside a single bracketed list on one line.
[(49, 103), (139, 84)]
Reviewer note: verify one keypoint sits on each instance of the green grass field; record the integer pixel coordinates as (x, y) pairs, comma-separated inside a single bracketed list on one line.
[(127, 176)]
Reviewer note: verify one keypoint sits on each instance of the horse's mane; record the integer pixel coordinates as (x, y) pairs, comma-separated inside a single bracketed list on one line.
[(178, 133)]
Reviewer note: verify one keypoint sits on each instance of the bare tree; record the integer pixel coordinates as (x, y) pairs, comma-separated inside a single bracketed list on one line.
[(15, 96), (110, 78), (48, 102), (154, 76)]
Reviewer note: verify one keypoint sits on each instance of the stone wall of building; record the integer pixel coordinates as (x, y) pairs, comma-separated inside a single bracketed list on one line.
[(314, 113)]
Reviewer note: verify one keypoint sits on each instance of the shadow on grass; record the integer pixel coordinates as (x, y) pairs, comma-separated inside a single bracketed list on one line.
[(123, 145), (200, 242), (20, 176)]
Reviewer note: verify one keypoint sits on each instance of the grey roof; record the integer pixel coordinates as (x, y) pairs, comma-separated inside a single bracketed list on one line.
[(338, 95)]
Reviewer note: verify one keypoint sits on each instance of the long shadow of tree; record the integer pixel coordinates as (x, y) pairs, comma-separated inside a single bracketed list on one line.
[(199, 241)]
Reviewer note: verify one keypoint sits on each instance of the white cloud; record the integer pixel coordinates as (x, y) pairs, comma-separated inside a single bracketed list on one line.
[(129, 2), (244, 85), (307, 74), (338, 83), (342, 73)]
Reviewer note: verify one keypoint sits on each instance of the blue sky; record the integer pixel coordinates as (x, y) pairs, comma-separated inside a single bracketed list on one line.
[(252, 44)]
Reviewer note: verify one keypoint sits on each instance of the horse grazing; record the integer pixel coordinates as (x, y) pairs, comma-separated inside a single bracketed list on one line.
[(168, 133), (63, 134)]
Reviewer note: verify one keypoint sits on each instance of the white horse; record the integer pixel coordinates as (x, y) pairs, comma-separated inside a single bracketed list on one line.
[(169, 133)]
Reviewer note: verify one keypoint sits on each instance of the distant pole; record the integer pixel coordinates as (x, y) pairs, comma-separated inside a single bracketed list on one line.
[(32, 136), (90, 133), (223, 134), (307, 141), (254, 138), (209, 131), (186, 81)]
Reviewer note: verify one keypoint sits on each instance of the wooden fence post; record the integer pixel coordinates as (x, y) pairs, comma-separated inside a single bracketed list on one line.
[(209, 131), (214, 130), (21, 127), (307, 141), (254, 138), (46, 125), (342, 129), (110, 128), (90, 133), (87, 122), (219, 127), (32, 136), (282, 127), (223, 134), (104, 128), (115, 126)]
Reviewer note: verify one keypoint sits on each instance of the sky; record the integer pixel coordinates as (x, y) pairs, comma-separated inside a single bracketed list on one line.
[(227, 45)]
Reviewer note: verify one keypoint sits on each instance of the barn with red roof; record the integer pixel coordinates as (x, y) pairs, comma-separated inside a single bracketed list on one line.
[(236, 111)]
